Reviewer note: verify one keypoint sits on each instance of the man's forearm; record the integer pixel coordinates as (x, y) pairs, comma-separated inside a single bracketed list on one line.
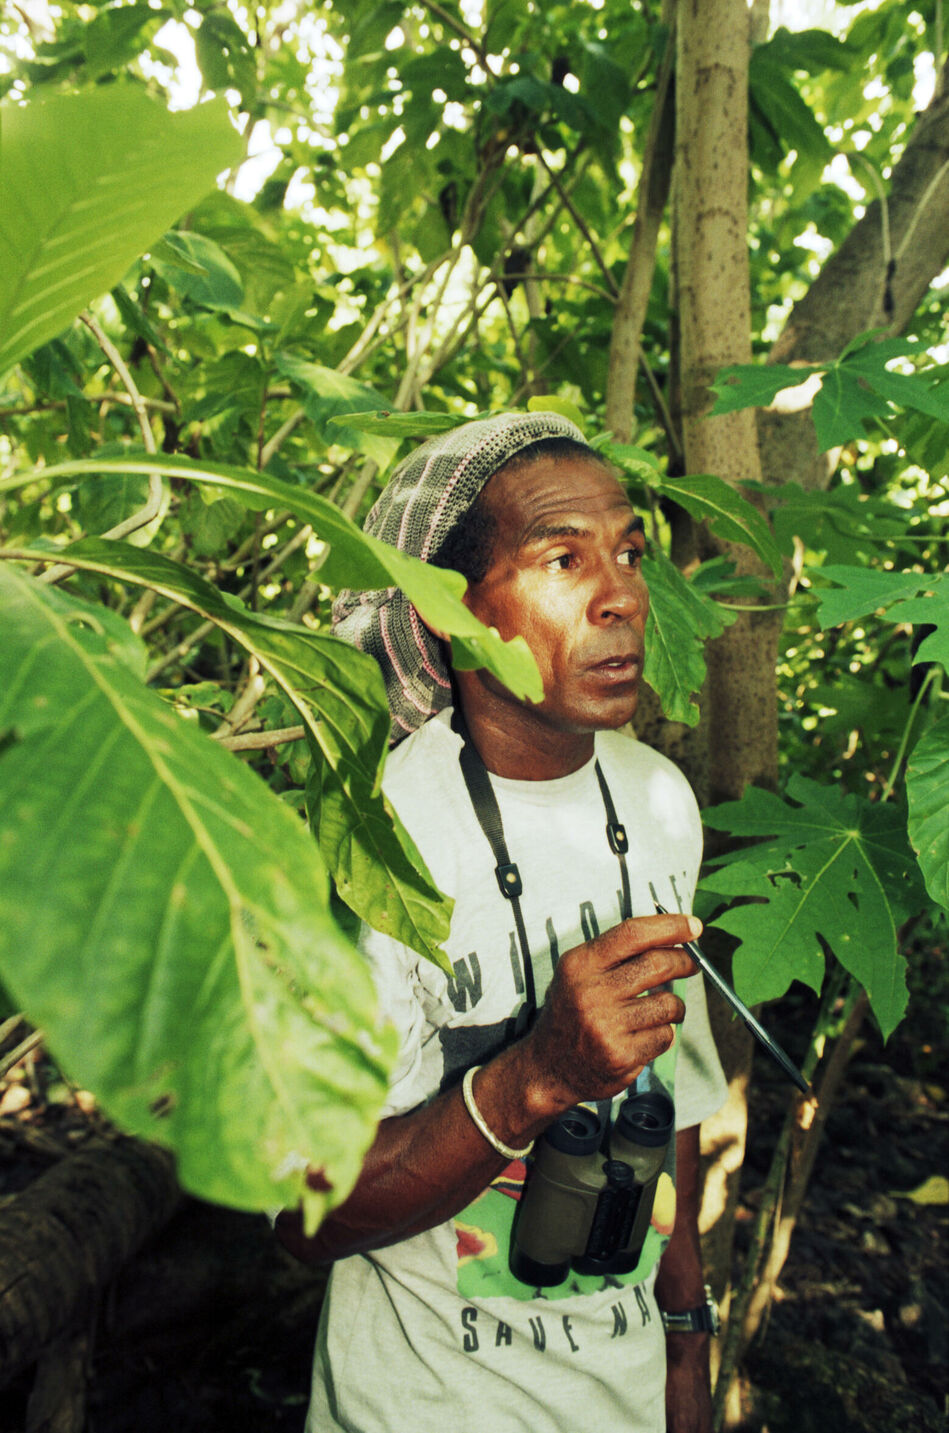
[(423, 1168), (607, 1014), (680, 1286)]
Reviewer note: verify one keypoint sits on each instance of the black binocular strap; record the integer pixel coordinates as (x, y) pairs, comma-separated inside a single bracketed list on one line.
[(486, 808), (619, 841)]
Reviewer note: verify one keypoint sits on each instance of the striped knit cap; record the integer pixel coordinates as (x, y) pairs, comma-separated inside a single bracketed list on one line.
[(424, 499)]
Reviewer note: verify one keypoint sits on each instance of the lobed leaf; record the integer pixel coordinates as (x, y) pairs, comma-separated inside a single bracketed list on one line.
[(164, 917), (679, 621), (837, 871)]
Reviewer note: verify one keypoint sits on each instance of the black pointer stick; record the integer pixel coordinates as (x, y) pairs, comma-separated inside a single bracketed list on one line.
[(739, 1006)]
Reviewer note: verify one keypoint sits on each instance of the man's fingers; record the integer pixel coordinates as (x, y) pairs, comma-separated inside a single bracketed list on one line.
[(660, 1009), (642, 933)]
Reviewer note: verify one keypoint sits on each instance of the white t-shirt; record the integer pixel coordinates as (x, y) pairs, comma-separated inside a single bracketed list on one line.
[(436, 1332)]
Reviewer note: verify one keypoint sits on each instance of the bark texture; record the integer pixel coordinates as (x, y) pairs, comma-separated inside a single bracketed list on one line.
[(69, 1234), (876, 279), (715, 325)]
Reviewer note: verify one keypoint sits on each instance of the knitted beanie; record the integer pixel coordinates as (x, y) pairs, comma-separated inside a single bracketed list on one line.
[(424, 499)]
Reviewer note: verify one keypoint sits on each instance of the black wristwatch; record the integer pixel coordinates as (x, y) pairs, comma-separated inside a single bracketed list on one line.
[(705, 1319)]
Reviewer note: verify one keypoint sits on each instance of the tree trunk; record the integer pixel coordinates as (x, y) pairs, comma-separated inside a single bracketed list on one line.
[(69, 1234), (715, 322), (876, 279)]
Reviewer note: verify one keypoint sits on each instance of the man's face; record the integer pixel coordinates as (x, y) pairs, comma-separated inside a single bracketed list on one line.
[(565, 574)]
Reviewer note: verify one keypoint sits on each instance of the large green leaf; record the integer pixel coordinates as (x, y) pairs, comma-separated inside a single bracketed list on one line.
[(927, 790), (858, 591), (165, 919), (838, 870), (355, 558), (199, 268), (341, 699), (86, 182), (731, 516), (680, 619)]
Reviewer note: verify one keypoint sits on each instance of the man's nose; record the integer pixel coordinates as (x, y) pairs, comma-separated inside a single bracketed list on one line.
[(619, 596)]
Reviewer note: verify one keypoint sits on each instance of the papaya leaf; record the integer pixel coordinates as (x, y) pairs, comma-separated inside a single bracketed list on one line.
[(341, 700), (854, 387), (754, 385), (679, 621), (101, 173), (927, 791), (355, 559), (728, 514), (164, 917), (861, 591), (841, 407), (836, 870)]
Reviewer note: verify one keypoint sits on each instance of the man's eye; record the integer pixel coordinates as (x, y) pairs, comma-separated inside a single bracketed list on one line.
[(630, 557), (560, 563)]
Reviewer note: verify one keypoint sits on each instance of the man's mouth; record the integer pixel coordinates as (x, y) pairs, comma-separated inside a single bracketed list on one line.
[(622, 667)]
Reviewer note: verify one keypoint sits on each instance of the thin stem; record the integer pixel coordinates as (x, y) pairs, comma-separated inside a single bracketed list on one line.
[(153, 502), (261, 740), (21, 1051), (907, 732), (581, 225)]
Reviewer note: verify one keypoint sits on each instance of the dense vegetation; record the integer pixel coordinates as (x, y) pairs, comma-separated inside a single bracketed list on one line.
[(422, 212)]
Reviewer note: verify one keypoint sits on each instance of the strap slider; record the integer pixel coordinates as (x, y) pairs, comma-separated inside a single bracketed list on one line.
[(509, 880), (616, 835)]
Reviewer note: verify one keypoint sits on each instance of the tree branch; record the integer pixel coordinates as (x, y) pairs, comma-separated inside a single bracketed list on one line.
[(261, 740)]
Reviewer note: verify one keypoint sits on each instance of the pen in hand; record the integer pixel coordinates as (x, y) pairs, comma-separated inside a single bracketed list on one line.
[(739, 1006)]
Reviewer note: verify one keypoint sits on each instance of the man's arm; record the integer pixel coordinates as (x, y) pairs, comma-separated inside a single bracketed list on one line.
[(597, 1029), (680, 1286)]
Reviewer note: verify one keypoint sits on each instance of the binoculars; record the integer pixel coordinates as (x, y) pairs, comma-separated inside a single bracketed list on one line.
[(588, 1199)]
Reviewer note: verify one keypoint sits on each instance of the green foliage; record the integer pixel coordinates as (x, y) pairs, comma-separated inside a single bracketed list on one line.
[(856, 389), (420, 254), (339, 696), (355, 559), (927, 789), (836, 870), (680, 619), (102, 172), (166, 919)]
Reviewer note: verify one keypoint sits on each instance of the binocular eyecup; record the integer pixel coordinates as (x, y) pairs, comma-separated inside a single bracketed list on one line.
[(588, 1199)]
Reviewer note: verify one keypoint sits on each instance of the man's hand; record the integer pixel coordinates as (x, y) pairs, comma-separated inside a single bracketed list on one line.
[(596, 1031), (605, 1015)]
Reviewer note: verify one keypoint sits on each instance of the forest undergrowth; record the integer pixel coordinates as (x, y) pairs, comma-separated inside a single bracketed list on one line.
[(210, 1327)]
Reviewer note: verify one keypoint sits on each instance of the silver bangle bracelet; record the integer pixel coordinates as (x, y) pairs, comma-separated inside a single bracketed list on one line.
[(467, 1091)]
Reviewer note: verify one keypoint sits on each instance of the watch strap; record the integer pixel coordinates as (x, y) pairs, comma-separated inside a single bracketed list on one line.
[(704, 1319)]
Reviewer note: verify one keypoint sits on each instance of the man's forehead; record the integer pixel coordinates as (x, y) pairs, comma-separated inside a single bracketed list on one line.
[(568, 497), (544, 531)]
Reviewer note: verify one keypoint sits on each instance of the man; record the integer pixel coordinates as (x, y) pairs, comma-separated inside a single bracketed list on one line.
[(548, 827)]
